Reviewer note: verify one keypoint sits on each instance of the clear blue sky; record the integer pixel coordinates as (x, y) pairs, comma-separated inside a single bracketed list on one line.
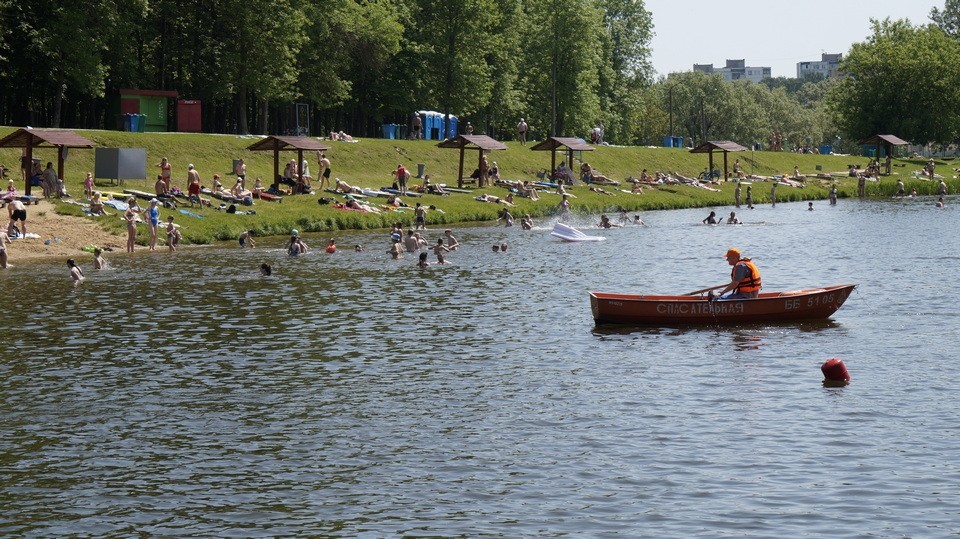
[(767, 33)]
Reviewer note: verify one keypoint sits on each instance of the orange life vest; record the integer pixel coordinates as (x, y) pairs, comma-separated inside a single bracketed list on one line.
[(750, 283)]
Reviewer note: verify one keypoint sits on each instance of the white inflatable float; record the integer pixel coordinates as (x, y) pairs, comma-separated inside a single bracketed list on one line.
[(568, 233)]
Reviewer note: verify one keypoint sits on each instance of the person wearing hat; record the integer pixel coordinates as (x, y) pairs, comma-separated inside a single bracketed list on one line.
[(522, 132), (744, 277)]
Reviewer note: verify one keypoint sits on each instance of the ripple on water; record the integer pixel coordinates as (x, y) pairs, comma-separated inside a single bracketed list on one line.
[(352, 395)]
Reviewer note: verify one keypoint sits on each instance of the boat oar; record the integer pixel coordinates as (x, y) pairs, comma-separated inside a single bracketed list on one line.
[(695, 292)]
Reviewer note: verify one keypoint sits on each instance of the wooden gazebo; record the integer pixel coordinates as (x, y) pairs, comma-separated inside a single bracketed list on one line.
[(481, 143), (43, 138), (887, 141), (277, 144), (565, 144), (712, 145)]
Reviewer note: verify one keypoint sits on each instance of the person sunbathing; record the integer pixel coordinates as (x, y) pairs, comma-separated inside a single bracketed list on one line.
[(96, 204), (238, 191), (345, 187), (601, 191), (529, 191), (490, 198)]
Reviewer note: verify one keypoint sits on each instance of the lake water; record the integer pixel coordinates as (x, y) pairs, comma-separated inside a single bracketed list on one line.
[(354, 396)]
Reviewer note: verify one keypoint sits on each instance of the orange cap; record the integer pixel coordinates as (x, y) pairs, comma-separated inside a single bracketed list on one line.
[(733, 251)]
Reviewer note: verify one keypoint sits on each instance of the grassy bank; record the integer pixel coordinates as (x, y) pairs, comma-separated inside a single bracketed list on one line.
[(368, 163)]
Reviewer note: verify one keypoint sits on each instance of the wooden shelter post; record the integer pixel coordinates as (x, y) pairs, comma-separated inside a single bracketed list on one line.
[(460, 170), (28, 172), (276, 164)]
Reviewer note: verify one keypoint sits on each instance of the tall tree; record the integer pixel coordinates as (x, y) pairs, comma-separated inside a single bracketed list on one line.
[(948, 18), (457, 36), (903, 81), (561, 73)]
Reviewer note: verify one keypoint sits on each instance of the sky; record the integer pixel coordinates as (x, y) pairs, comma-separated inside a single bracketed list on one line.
[(767, 33)]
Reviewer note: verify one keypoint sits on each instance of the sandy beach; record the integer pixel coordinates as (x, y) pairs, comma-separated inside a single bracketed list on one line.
[(72, 232)]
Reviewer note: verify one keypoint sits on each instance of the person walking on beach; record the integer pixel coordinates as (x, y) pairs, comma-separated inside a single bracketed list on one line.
[(420, 214), (324, 170)]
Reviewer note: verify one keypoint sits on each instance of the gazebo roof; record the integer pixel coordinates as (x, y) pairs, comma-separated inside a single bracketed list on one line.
[(44, 138), (287, 143), (889, 139), (570, 143), (725, 145), (475, 142)]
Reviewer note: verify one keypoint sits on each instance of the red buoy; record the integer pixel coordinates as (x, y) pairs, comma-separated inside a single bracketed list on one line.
[(835, 371)]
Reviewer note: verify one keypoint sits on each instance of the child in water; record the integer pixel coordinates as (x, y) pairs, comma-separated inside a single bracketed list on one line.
[(98, 260), (423, 260), (265, 270), (75, 272)]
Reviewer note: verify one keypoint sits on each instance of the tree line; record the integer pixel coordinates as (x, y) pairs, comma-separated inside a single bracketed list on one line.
[(563, 65)]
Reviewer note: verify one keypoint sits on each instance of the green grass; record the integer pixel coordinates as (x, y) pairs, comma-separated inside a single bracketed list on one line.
[(368, 163)]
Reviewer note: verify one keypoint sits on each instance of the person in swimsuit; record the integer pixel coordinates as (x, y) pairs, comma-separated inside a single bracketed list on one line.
[(247, 238), (153, 221), (18, 212), (173, 234), (3, 250), (75, 272), (166, 171), (130, 215), (325, 167)]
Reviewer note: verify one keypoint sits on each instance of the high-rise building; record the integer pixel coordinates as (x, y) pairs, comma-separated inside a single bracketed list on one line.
[(736, 70), (827, 66)]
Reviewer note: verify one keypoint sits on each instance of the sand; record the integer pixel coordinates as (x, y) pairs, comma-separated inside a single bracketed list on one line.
[(71, 231)]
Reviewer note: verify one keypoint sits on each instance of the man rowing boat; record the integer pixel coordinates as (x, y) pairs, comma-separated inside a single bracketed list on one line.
[(744, 278)]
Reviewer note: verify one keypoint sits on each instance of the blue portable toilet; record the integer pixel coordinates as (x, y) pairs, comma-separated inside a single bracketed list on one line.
[(126, 121), (668, 141), (826, 149), (388, 131), (143, 123), (452, 126), (678, 142), (134, 122), (427, 124)]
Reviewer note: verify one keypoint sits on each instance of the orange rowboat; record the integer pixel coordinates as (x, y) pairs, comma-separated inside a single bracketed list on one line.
[(808, 304)]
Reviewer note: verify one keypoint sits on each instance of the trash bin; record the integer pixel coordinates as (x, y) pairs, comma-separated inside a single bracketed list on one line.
[(668, 141), (388, 131), (141, 126), (127, 121), (420, 168)]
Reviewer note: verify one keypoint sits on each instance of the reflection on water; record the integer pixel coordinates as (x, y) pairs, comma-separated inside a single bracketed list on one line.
[(352, 395)]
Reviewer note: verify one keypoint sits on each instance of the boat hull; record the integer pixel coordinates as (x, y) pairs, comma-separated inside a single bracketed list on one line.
[(653, 310)]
